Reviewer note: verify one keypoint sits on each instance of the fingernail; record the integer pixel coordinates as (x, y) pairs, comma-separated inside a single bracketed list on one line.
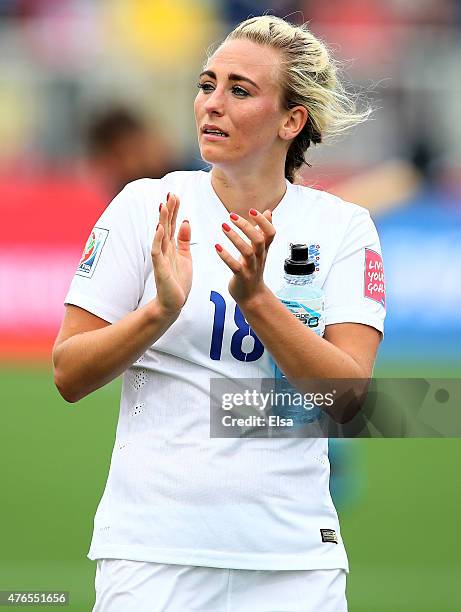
[(157, 226), (253, 212), (160, 207), (218, 247), (167, 196), (225, 227), (186, 221), (234, 217)]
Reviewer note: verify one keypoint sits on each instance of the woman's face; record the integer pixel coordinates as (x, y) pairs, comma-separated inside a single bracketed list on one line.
[(238, 109)]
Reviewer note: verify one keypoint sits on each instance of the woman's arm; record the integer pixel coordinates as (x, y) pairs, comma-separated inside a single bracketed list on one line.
[(89, 352), (348, 350)]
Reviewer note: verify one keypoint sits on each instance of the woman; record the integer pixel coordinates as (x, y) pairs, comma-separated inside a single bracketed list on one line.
[(189, 522)]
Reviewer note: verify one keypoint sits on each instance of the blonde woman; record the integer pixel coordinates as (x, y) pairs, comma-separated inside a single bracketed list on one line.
[(189, 522)]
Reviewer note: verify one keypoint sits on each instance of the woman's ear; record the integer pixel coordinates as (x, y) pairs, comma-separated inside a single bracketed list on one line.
[(294, 121)]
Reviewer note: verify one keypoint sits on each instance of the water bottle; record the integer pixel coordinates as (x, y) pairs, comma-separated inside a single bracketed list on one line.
[(306, 301)]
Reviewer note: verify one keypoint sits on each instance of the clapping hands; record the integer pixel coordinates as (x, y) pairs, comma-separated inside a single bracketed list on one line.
[(171, 258), (247, 281)]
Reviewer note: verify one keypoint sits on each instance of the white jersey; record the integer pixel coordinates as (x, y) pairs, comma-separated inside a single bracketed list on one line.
[(173, 494)]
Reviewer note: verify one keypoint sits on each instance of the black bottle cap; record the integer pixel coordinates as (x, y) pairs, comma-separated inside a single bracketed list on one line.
[(298, 262)]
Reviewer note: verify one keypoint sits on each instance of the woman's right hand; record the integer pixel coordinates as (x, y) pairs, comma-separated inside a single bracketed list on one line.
[(171, 259)]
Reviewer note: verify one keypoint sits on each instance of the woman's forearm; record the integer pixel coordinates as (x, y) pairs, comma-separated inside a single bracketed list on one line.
[(296, 349), (89, 360)]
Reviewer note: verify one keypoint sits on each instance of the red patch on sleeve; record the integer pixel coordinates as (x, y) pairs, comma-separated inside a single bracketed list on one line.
[(374, 287)]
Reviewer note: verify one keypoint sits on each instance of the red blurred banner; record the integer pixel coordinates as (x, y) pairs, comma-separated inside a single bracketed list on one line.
[(44, 224)]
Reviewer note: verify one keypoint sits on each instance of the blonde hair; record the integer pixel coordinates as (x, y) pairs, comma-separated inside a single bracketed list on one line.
[(309, 79)]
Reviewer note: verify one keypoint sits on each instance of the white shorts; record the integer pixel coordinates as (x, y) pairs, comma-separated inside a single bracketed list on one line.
[(137, 586)]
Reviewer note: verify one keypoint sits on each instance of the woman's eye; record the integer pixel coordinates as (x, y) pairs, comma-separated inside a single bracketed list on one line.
[(236, 89), (239, 91), (205, 87)]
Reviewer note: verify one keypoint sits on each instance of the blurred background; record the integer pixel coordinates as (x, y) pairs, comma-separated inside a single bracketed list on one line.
[(94, 94)]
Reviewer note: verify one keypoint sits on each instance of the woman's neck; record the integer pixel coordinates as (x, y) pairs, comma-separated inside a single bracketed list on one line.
[(240, 191)]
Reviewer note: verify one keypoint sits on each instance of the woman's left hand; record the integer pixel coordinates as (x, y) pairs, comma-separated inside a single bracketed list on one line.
[(247, 281)]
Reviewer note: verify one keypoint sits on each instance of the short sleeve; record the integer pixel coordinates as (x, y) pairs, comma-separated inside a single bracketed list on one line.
[(355, 287), (109, 280)]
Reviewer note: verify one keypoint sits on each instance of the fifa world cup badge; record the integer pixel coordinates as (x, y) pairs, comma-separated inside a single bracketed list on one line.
[(92, 252)]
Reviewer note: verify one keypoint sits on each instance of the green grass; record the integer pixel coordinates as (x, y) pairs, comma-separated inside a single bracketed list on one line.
[(402, 534)]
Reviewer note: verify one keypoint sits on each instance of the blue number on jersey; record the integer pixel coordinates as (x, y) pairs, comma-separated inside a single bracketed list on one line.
[(243, 330), (218, 325)]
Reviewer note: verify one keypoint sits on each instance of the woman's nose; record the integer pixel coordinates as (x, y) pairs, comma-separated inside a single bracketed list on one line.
[(215, 102)]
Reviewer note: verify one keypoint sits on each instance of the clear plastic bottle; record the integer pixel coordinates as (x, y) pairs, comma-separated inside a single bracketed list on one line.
[(306, 301)]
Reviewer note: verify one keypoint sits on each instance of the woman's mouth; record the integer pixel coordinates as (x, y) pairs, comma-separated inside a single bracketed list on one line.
[(212, 132)]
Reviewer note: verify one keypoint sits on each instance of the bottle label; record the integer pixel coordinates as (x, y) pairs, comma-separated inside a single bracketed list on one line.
[(310, 312)]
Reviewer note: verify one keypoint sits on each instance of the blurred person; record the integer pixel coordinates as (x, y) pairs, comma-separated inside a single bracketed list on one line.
[(122, 148), (382, 187), (187, 521), (392, 183)]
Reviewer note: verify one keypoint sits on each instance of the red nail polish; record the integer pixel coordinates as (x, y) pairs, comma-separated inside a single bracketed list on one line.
[(167, 196), (253, 212), (225, 227), (160, 207), (218, 247), (186, 221), (157, 226), (234, 217)]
